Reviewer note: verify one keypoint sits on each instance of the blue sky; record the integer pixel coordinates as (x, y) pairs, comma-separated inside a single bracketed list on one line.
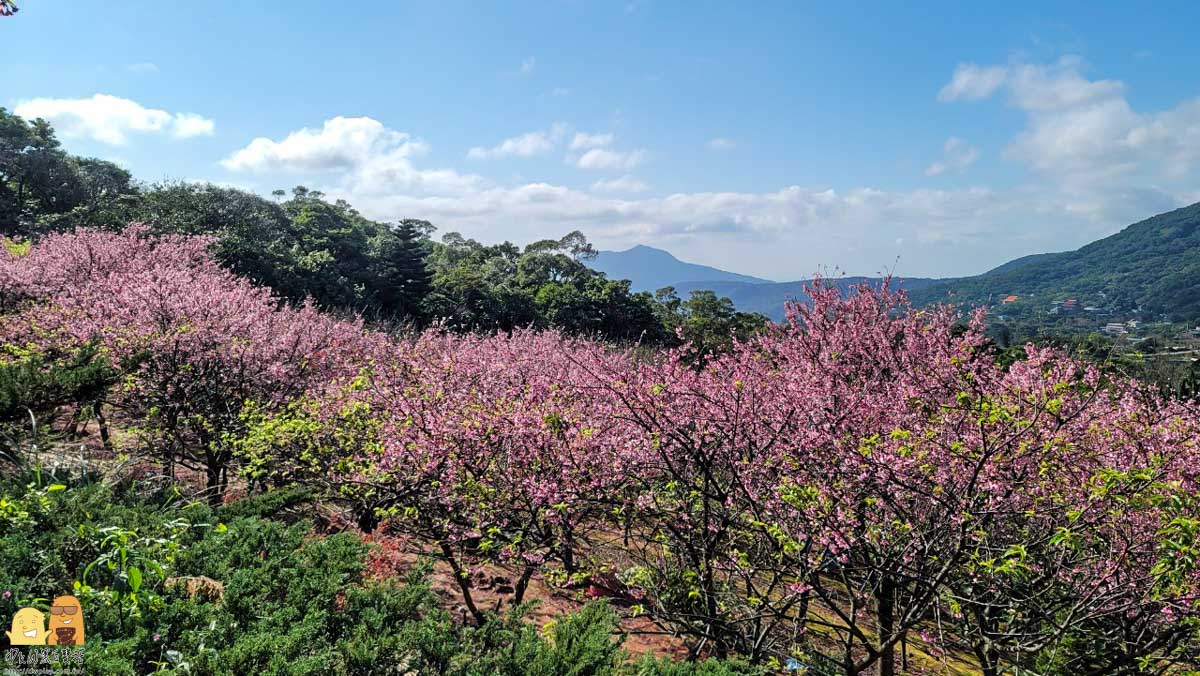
[(770, 139)]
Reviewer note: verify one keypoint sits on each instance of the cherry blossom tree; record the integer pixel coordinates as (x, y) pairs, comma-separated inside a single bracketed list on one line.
[(195, 340), (480, 445), (863, 476)]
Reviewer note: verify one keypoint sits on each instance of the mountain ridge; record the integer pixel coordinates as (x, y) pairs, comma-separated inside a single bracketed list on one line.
[(650, 269), (1151, 266)]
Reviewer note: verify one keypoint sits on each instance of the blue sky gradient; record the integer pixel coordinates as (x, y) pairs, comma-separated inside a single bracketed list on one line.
[(770, 139)]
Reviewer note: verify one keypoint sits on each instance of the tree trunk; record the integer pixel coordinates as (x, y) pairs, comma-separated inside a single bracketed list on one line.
[(102, 423), (77, 422), (985, 651), (522, 585), (988, 663), (567, 553), (215, 485), (464, 583), (885, 601)]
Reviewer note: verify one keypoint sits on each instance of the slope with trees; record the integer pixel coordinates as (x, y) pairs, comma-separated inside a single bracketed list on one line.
[(1153, 265)]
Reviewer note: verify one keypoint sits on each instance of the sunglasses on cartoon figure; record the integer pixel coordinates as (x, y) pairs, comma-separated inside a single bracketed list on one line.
[(63, 610)]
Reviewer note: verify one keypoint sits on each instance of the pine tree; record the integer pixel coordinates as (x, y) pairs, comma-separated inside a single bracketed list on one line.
[(404, 278)]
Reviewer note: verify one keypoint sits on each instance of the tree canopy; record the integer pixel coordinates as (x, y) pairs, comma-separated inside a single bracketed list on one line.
[(303, 246)]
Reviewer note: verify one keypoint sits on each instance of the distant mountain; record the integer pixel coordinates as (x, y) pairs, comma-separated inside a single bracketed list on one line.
[(651, 269), (1153, 265), (769, 298)]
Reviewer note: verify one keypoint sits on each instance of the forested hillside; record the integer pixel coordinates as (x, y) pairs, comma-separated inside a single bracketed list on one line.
[(1153, 265)]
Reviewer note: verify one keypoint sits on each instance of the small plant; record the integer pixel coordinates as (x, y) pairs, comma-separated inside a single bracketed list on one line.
[(128, 565)]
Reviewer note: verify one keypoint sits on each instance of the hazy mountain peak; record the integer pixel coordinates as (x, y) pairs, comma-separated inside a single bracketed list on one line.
[(650, 269)]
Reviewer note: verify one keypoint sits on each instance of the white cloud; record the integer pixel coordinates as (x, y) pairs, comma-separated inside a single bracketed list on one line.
[(373, 157), (560, 91), (111, 119), (525, 145), (720, 143), (1058, 86), (788, 233), (1097, 165), (143, 67), (604, 159), (583, 140), (341, 143), (971, 82), (187, 125), (1032, 87), (1085, 135), (957, 155), (624, 184), (528, 66)]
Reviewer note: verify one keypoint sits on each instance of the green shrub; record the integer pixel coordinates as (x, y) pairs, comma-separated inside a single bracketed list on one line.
[(230, 592)]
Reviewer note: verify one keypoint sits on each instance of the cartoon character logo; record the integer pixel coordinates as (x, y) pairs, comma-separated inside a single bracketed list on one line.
[(66, 622), (28, 628)]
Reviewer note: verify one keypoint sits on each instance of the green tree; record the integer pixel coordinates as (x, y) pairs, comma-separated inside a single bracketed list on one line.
[(709, 322), (255, 237), (44, 188), (401, 278)]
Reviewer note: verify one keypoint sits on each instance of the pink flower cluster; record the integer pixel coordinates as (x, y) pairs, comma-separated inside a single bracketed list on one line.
[(866, 457), (198, 341)]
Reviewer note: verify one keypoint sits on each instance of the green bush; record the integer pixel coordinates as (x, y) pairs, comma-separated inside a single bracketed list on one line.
[(231, 592)]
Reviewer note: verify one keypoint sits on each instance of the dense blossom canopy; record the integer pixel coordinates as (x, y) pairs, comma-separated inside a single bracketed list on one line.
[(860, 476)]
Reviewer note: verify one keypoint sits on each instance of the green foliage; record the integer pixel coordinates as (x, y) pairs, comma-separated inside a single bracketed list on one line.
[(32, 381), (302, 247), (1151, 265), (33, 388), (547, 284), (229, 592), (649, 666), (708, 322), (265, 505), (307, 247), (43, 188)]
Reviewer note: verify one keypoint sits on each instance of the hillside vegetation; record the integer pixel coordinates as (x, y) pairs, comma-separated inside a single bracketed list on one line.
[(303, 246), (771, 298), (1151, 268), (1153, 264)]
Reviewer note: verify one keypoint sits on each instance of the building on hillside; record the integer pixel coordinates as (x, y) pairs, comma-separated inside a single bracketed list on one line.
[(1066, 307), (1115, 329), (1009, 299)]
